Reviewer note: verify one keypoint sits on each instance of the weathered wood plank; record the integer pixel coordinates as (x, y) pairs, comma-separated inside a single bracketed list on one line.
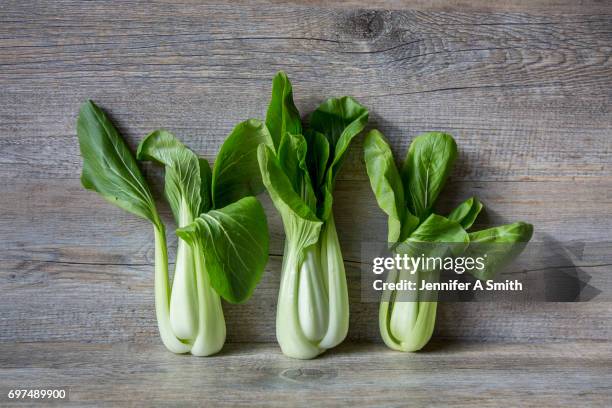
[(464, 375), (57, 220), (499, 135), (532, 6), (480, 76), (107, 303)]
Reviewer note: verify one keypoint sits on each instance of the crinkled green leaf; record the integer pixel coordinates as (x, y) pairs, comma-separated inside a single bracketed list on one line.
[(467, 212), (282, 114), (317, 157), (182, 179), (324, 209), (500, 245), (109, 167), (437, 228), (427, 166), (234, 240), (340, 120), (292, 158), (279, 186), (387, 186), (205, 186), (236, 171), (332, 127), (510, 233)]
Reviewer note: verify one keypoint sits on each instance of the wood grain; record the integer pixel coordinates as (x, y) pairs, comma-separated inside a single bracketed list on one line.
[(531, 6), (526, 94), (105, 303), (575, 374)]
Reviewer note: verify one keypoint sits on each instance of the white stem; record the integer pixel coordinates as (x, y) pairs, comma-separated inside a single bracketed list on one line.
[(289, 333), (162, 295), (184, 299), (404, 313), (406, 325), (211, 325), (313, 310), (335, 279)]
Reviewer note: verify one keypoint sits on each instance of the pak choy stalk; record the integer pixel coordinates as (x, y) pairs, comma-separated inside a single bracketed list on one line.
[(407, 196), (299, 172), (223, 241), (211, 207)]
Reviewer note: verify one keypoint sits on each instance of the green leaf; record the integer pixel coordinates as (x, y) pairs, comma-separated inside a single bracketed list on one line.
[(236, 171), (427, 166), (387, 185), (436, 236), (182, 179), (467, 212), (437, 228), (500, 245), (292, 158), (280, 187), (109, 167), (205, 186), (234, 240), (317, 157), (340, 120), (324, 209), (282, 114), (510, 233)]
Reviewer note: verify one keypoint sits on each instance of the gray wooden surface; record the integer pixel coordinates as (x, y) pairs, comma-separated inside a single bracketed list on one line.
[(525, 88), (457, 374)]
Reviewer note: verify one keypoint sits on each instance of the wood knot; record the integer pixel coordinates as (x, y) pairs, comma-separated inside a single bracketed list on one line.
[(305, 375), (367, 25)]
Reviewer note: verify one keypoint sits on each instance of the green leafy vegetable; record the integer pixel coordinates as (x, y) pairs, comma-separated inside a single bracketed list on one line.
[(501, 244), (109, 168), (216, 218), (427, 166), (231, 238), (236, 171), (223, 234), (299, 173), (467, 212), (182, 190), (282, 117), (437, 228), (408, 199)]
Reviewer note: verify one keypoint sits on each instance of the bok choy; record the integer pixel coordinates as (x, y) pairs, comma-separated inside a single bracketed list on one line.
[(299, 171), (408, 196), (223, 245)]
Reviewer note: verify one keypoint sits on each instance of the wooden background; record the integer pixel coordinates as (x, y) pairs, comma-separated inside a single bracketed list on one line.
[(525, 88)]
